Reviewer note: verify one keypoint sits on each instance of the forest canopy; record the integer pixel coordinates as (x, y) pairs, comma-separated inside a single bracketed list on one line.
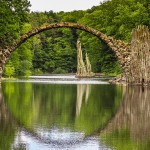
[(54, 51)]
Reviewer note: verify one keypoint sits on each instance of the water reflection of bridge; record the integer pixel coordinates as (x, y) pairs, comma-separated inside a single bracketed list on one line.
[(133, 113)]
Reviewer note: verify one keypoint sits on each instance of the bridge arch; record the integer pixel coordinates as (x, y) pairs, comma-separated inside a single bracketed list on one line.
[(110, 41), (120, 48)]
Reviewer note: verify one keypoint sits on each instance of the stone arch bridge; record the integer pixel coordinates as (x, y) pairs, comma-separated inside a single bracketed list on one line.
[(133, 57)]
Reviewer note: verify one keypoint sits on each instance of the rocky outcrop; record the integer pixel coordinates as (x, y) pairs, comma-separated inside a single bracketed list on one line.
[(137, 71), (83, 69), (88, 67), (121, 80), (140, 56)]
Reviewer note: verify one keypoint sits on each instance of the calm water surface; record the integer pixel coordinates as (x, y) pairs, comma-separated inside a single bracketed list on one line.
[(40, 115)]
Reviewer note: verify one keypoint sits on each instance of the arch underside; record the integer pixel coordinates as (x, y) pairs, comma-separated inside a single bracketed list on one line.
[(120, 48)]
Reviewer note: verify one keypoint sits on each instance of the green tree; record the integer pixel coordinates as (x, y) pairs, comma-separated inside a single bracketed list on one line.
[(13, 14), (9, 70), (25, 68), (23, 55)]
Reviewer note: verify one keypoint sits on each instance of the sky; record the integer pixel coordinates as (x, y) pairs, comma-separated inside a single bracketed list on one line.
[(62, 5)]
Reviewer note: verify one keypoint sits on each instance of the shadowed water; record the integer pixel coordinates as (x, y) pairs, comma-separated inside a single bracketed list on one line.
[(39, 115)]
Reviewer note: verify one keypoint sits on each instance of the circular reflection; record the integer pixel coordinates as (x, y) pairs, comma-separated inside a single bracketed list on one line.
[(60, 115)]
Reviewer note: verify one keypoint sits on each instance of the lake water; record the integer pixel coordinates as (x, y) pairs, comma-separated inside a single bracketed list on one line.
[(52, 113)]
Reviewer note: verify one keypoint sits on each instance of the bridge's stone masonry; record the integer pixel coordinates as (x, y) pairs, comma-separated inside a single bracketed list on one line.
[(121, 49)]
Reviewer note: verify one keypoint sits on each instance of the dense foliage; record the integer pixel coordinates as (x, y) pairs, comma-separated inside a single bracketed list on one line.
[(54, 51), (13, 14)]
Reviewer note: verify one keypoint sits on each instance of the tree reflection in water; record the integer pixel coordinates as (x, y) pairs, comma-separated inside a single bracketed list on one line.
[(84, 108), (43, 109), (130, 127), (8, 126)]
